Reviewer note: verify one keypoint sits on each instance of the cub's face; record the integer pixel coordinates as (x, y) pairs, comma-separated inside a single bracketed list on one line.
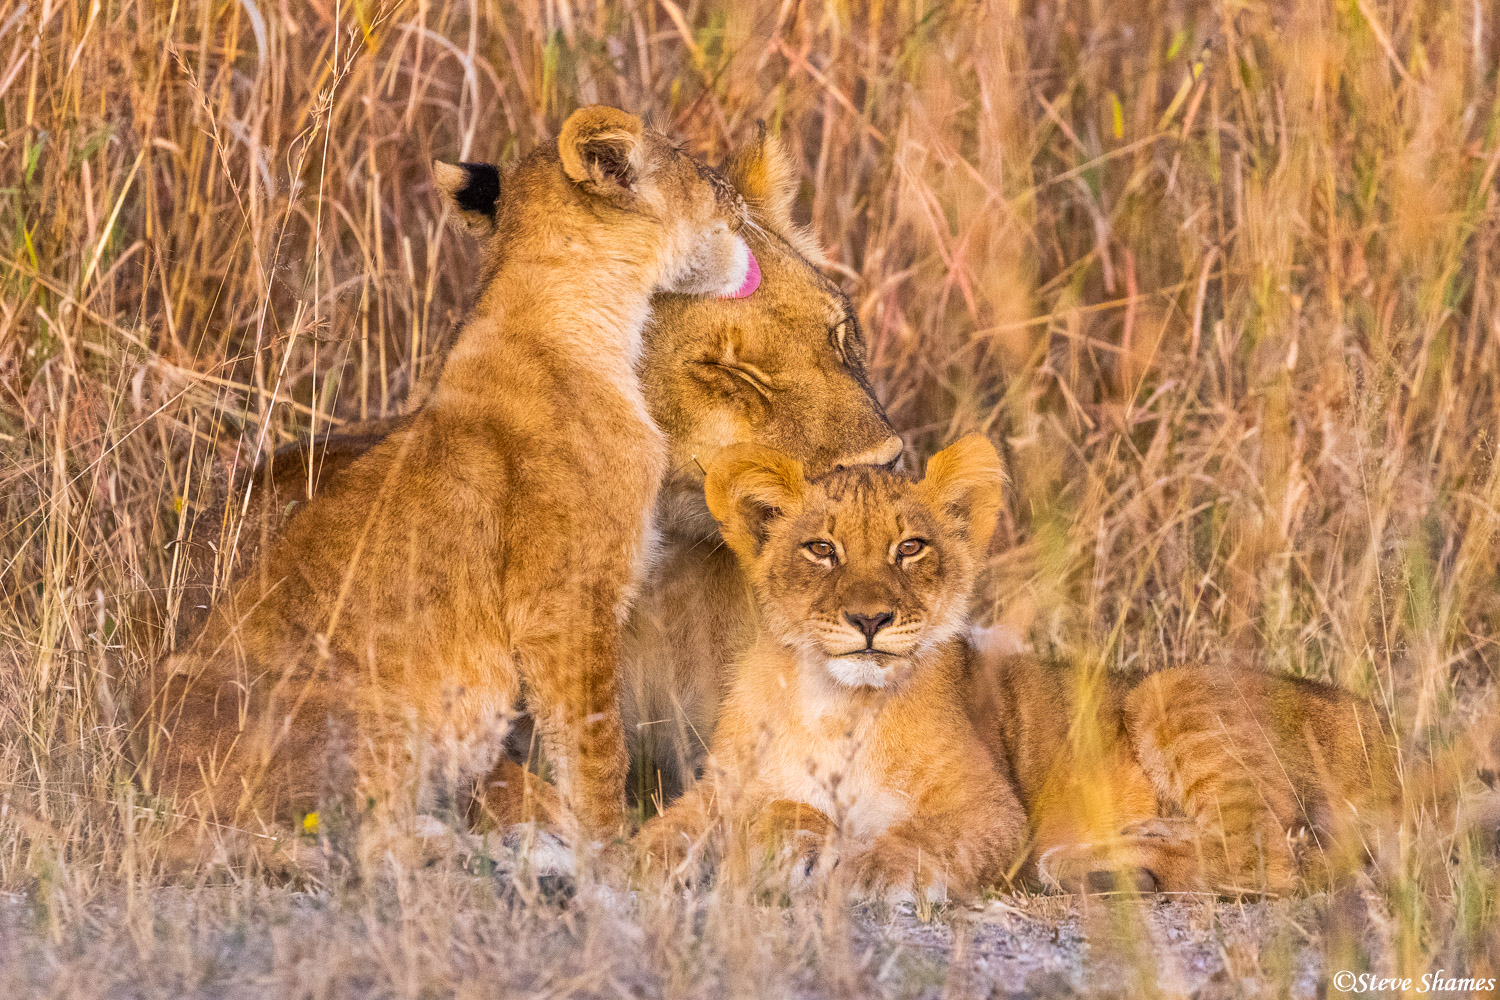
[(864, 569), (614, 159), (704, 219), (866, 575), (660, 204)]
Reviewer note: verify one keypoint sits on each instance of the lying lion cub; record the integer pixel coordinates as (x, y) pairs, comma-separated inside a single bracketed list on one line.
[(376, 655), (1189, 779), (844, 731)]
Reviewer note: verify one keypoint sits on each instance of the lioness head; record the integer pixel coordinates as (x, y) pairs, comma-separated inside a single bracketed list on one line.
[(779, 361), (863, 568), (621, 170)]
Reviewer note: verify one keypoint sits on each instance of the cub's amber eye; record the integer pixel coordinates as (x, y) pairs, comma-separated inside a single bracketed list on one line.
[(819, 549), (910, 547)]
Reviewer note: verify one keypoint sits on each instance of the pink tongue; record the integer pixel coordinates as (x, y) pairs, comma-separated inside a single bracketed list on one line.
[(752, 278)]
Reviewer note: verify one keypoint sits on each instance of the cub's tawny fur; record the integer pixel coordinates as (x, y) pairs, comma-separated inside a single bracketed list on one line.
[(783, 367), (377, 653), (844, 733), (1188, 779)]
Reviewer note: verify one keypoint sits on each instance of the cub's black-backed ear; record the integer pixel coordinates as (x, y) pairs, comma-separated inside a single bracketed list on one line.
[(967, 479), (748, 487), (600, 149), (473, 189)]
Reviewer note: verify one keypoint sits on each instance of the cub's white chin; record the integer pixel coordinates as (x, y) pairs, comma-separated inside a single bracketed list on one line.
[(721, 267), (739, 269), (860, 670)]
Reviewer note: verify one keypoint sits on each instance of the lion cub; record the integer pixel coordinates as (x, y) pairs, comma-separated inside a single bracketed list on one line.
[(844, 731), (1188, 779), (378, 652)]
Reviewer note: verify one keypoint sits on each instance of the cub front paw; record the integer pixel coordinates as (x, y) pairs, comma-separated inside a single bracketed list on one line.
[(896, 870), (794, 842), (667, 849)]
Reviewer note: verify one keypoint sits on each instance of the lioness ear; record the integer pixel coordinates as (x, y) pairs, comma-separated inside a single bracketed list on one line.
[(763, 173), (600, 148), (473, 189), (967, 479), (748, 487)]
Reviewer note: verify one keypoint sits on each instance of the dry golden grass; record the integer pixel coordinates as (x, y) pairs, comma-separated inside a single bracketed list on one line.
[(1224, 277)]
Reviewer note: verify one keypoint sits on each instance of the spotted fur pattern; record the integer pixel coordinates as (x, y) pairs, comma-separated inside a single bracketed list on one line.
[(1188, 779)]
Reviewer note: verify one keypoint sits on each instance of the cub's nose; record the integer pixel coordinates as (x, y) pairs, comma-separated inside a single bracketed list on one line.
[(870, 624)]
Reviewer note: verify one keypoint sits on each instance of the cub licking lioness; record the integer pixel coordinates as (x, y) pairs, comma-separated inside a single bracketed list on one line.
[(783, 366), (1188, 779), (375, 655)]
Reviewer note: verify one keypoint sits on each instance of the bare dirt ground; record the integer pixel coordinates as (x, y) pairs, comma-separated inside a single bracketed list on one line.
[(440, 935)]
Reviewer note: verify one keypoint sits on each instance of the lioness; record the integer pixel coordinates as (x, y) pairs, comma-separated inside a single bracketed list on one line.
[(1188, 779), (844, 730), (783, 366), (378, 653)]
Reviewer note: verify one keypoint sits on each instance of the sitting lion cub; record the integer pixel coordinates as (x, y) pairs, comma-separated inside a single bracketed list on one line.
[(844, 731), (377, 653)]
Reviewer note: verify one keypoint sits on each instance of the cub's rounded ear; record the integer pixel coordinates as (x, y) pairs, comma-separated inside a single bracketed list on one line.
[(473, 189), (967, 479), (600, 149), (748, 488)]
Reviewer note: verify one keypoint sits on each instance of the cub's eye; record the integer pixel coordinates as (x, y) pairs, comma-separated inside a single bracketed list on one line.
[(910, 547), (819, 549)]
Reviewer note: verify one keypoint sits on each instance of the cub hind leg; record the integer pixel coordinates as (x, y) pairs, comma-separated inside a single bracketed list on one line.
[(1201, 739), (228, 754)]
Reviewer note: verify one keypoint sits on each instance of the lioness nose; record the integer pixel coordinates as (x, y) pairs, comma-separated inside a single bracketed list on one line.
[(885, 453), (870, 624)]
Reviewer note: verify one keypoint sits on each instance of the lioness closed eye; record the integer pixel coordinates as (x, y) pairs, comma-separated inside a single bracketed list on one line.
[(377, 652), (844, 733)]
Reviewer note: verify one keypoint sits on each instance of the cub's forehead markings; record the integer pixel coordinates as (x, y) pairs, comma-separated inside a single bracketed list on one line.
[(895, 525), (877, 531), (833, 488)]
